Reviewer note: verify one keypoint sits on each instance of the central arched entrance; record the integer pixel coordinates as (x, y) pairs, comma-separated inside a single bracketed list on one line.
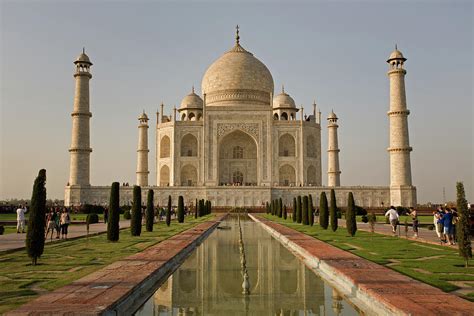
[(237, 159)]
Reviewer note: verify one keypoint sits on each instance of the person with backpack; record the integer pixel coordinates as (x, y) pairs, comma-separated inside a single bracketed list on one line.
[(65, 221)]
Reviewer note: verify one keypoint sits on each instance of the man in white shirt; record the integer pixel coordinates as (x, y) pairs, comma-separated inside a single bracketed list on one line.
[(20, 219), (393, 217)]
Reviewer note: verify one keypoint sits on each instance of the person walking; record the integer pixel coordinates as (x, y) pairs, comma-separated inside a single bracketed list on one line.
[(50, 224), (20, 219), (106, 215), (65, 221), (415, 223), (393, 218)]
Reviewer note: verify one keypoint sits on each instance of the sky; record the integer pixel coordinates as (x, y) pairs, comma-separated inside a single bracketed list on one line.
[(146, 52)]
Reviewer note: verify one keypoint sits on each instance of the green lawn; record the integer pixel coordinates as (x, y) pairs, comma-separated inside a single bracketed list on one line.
[(423, 219), (65, 261), (432, 264)]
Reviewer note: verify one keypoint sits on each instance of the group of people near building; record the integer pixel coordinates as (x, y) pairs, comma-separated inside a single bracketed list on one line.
[(57, 220), (445, 220)]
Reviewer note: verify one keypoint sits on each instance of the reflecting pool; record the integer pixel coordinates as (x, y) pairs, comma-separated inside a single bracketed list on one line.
[(209, 282)]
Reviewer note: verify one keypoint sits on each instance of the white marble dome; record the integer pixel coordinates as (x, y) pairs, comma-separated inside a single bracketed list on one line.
[(237, 76), (283, 100), (191, 101)]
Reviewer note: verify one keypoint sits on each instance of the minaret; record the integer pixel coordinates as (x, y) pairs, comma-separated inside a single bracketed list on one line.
[(80, 144), (400, 167), (334, 174), (142, 151)]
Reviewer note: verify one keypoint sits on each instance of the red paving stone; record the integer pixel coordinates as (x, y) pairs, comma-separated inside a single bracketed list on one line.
[(398, 292), (99, 291)]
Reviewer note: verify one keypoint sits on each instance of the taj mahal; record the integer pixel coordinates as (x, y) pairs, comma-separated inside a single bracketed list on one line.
[(241, 143)]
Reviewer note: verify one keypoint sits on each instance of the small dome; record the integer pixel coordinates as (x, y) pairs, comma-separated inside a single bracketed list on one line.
[(332, 116), (83, 58), (396, 54), (283, 100), (143, 116), (191, 101)]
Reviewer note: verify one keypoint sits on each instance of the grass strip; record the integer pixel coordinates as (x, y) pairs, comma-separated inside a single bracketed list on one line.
[(435, 265), (66, 261)]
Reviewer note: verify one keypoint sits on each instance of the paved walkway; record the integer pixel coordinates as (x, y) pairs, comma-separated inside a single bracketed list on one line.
[(17, 241), (379, 287)]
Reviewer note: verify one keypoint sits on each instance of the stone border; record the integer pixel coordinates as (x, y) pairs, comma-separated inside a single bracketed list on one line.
[(373, 288), (123, 286)]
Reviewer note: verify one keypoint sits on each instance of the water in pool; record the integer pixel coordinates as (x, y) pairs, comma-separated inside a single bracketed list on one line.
[(209, 282)]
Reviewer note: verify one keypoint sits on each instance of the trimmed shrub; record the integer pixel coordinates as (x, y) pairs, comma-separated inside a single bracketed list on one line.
[(372, 220), (127, 214), (92, 218), (365, 219), (180, 209), (298, 209), (267, 207), (280, 208), (360, 210), (310, 210), (136, 220), (37, 219), (351, 221), (113, 228), (333, 211), (168, 212), (150, 211), (285, 215), (304, 210), (2, 229), (196, 209), (323, 211), (293, 215), (463, 225)]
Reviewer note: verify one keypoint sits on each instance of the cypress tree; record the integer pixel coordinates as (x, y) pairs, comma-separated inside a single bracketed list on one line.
[(272, 205), (267, 207), (37, 219), (280, 208), (310, 210), (136, 220), (351, 223), (463, 225), (196, 209), (180, 209), (298, 209), (200, 208), (285, 215), (304, 211), (333, 211), (323, 211), (210, 207), (168, 212), (113, 228), (293, 215), (150, 211)]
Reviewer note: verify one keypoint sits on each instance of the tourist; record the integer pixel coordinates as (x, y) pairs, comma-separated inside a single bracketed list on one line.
[(455, 223), (50, 224), (106, 215), (393, 218), (414, 218), (57, 222), (20, 219), (447, 221), (65, 221), (436, 222)]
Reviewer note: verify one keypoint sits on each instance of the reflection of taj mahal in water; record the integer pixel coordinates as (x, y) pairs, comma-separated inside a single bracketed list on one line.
[(209, 281), (239, 144)]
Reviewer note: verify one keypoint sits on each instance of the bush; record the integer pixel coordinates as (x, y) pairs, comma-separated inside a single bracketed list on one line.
[(90, 208), (37, 219), (323, 211), (280, 207), (180, 209), (310, 210), (402, 210), (284, 212), (360, 210), (333, 211), (124, 208), (293, 216), (365, 219), (127, 214), (136, 220), (92, 218), (150, 211), (304, 211), (298, 209), (113, 229), (372, 220), (2, 229), (431, 227)]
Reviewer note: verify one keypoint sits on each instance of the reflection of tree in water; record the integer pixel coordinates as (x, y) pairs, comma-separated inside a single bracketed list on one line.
[(209, 282)]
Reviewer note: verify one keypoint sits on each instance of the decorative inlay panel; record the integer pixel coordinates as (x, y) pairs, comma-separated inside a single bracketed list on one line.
[(250, 128)]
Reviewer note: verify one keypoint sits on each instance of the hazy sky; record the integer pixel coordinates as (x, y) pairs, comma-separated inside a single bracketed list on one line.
[(148, 52)]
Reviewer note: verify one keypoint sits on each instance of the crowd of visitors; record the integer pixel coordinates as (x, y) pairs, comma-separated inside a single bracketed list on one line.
[(57, 221)]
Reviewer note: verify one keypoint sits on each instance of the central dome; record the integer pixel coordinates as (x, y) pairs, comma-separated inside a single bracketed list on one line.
[(237, 77)]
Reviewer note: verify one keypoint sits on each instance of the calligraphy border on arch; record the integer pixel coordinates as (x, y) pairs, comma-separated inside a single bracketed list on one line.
[(226, 128)]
